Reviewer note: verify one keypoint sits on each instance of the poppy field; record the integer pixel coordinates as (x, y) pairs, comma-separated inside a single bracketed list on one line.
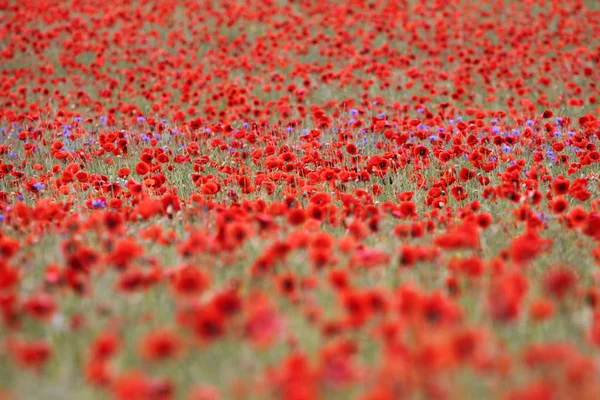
[(299, 199)]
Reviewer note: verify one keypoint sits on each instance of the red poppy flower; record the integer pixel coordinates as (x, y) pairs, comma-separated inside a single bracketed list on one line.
[(161, 344), (541, 309), (41, 306), (559, 205), (105, 346), (135, 385), (209, 324), (189, 280), (559, 281), (142, 168), (30, 354)]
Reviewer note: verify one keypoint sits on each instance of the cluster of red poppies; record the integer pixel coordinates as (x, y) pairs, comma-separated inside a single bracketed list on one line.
[(299, 199)]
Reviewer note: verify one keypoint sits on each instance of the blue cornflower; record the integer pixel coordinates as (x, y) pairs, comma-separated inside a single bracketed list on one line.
[(542, 216), (98, 203), (354, 112)]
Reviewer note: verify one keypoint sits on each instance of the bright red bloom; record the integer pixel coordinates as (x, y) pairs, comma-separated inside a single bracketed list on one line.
[(30, 354), (105, 346), (142, 168), (134, 385), (559, 281), (189, 280), (160, 345), (41, 306), (541, 309), (209, 323), (559, 205), (526, 247)]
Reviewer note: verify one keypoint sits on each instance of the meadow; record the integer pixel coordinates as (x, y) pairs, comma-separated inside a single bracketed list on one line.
[(299, 199)]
